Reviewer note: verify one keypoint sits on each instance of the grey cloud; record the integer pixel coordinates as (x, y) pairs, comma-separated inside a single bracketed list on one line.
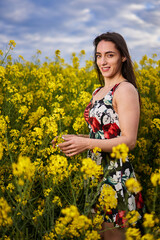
[(71, 25)]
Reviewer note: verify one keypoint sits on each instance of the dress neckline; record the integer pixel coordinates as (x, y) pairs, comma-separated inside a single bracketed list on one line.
[(104, 96)]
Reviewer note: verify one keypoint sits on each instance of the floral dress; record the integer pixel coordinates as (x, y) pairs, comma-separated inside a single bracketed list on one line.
[(103, 123)]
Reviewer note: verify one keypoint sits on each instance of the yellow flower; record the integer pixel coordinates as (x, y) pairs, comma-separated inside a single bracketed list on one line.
[(78, 124), (96, 149), (107, 198), (57, 52), (120, 151), (5, 209), (39, 51), (97, 221), (58, 168), (12, 43), (1, 151), (20, 182), (72, 224), (1, 52), (90, 168), (92, 235), (133, 217), (57, 201), (23, 110), (24, 168), (148, 236), (148, 220), (10, 187), (49, 236), (133, 234), (155, 178), (156, 123), (21, 57), (47, 192), (82, 52), (133, 185), (6, 237)]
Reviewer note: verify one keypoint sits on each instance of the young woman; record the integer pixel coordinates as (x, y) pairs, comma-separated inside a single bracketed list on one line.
[(113, 117)]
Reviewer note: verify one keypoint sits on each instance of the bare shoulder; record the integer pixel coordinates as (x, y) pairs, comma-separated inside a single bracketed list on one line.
[(126, 96), (126, 89)]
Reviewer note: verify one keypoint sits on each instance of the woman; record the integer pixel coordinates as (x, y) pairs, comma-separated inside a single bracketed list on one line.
[(112, 116)]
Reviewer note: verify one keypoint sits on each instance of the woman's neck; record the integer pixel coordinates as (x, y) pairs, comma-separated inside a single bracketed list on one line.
[(108, 82)]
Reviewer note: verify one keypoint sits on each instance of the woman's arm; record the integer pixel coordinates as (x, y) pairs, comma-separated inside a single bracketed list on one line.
[(83, 135), (126, 101)]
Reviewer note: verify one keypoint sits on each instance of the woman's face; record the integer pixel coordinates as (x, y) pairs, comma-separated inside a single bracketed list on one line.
[(109, 59)]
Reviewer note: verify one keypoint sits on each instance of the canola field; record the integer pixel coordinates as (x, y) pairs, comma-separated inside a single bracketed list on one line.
[(45, 195)]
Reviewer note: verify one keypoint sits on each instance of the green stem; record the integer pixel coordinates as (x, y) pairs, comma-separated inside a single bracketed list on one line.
[(155, 198), (97, 193), (8, 148), (73, 194)]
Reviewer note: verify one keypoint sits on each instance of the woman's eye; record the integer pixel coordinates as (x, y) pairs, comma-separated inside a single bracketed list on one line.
[(98, 56), (110, 55)]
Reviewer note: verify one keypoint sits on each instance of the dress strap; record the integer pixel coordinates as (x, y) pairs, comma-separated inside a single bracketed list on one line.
[(115, 87), (96, 90)]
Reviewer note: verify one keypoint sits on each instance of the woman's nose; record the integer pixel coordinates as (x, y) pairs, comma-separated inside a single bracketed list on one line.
[(103, 60)]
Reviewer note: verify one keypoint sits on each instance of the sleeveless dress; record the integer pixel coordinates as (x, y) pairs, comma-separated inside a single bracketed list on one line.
[(103, 123)]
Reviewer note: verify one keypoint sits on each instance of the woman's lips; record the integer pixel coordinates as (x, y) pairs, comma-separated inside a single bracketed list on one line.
[(105, 69)]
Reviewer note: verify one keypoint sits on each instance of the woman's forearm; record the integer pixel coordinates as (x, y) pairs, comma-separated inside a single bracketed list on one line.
[(83, 135), (106, 145)]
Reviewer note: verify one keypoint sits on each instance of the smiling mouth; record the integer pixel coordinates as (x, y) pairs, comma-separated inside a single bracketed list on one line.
[(105, 69)]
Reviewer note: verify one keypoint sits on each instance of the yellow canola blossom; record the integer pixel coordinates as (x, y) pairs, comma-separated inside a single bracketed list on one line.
[(120, 151), (148, 236), (156, 123), (107, 198), (150, 220), (24, 168), (133, 185), (38, 212), (57, 201), (49, 236), (12, 43), (97, 221), (92, 235), (155, 178), (1, 151), (10, 187), (5, 210), (133, 234), (79, 124), (72, 224), (96, 150), (133, 217), (91, 169), (47, 192), (58, 168)]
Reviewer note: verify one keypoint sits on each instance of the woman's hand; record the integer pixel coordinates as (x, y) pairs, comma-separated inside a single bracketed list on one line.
[(54, 141), (73, 145)]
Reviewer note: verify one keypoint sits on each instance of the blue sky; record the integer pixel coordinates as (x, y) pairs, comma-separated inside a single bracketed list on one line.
[(71, 25)]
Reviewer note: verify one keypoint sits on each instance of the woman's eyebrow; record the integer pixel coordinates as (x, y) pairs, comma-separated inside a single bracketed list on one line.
[(105, 52)]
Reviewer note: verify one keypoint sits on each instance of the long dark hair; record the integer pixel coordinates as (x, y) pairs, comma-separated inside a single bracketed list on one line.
[(127, 66)]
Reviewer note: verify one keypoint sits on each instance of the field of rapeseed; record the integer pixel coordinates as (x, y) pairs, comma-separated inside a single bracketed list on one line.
[(43, 194)]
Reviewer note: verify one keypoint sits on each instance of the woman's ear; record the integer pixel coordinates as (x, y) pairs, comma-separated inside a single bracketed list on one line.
[(124, 59)]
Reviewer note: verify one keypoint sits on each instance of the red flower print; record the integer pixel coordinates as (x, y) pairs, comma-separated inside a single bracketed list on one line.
[(120, 218), (95, 125), (86, 112), (111, 130), (139, 201)]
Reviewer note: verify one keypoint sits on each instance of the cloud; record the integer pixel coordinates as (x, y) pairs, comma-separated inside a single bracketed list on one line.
[(16, 10), (71, 25)]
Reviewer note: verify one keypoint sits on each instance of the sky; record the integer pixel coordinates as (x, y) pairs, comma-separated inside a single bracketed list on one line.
[(72, 25)]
